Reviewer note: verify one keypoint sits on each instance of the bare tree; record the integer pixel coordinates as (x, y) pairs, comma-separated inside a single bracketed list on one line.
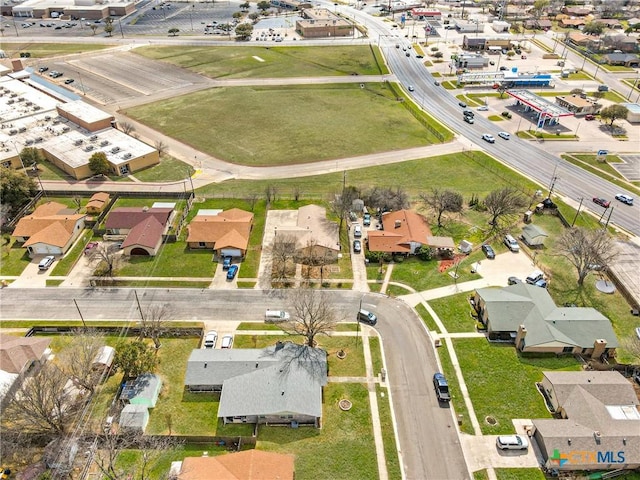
[(314, 255), (505, 201), (76, 361), (441, 201), (109, 260), (162, 147), (270, 193), (127, 127), (587, 250), (43, 405), (342, 203), (253, 199), (77, 202), (387, 198), (632, 345), (282, 254), (313, 314), (154, 322)]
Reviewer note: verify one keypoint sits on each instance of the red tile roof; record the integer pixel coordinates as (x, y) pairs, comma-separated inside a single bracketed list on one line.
[(401, 228)]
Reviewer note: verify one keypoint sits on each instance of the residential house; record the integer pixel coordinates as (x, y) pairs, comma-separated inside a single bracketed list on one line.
[(626, 59), (403, 232), (578, 105), (539, 24), (582, 40), (620, 41), (245, 465), (576, 11), (144, 390), (97, 203), (571, 22), (281, 384), (18, 356), (50, 230), (142, 228), (315, 235), (226, 232), (533, 235), (611, 23), (527, 315), (599, 424)]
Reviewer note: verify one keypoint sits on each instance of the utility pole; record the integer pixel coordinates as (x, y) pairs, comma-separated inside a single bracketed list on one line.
[(80, 313), (578, 212), (139, 307), (554, 178)]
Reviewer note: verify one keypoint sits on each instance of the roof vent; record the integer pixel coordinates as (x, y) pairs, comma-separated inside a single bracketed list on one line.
[(398, 223)]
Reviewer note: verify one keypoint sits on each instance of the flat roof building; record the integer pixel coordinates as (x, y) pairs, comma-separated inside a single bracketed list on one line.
[(321, 23)]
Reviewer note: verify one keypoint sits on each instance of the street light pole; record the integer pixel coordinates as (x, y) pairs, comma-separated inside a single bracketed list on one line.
[(578, 212)]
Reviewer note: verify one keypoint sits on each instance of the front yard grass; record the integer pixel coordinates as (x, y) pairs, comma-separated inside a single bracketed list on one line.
[(601, 169), (454, 388), (424, 275), (65, 264), (455, 313), (245, 62), (14, 258), (343, 449), (371, 120), (169, 169), (501, 383), (519, 474), (388, 434), (173, 260)]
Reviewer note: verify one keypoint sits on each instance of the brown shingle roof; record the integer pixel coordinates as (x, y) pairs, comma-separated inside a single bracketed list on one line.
[(129, 217), (51, 223), (57, 233), (246, 465), (230, 228), (17, 352), (386, 242), (98, 201), (147, 233), (400, 229)]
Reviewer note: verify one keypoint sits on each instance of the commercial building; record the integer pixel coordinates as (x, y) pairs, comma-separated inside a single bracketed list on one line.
[(578, 105), (321, 23), (87, 9)]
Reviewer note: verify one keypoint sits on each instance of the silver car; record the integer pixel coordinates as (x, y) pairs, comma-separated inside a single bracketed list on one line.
[(512, 442), (46, 262)]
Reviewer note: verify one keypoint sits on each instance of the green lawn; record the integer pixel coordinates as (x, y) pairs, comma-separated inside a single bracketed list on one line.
[(287, 125), (168, 170), (272, 61), (501, 384), (343, 449), (454, 388), (388, 435), (455, 312), (519, 474), (43, 50), (424, 275), (427, 319), (173, 260), (64, 265), (14, 258)]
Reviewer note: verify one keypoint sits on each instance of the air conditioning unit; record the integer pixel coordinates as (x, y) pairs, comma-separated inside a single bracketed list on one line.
[(78, 142), (115, 149), (126, 156), (88, 148), (104, 143), (93, 138)]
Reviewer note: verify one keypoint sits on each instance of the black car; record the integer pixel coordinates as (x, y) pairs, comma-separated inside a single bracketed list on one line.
[(442, 387), (488, 251), (357, 246), (513, 280), (68, 81), (43, 69), (462, 104)]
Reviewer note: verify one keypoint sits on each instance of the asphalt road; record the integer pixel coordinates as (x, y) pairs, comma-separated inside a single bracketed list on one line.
[(430, 446)]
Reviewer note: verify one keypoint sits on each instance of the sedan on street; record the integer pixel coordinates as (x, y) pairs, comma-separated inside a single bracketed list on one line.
[(488, 251), (621, 197), (488, 138), (602, 202)]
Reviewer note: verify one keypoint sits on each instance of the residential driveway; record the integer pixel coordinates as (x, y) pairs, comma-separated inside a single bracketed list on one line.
[(481, 452), (81, 272), (358, 265), (32, 276), (220, 281)]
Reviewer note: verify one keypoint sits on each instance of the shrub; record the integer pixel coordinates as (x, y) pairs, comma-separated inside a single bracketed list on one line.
[(424, 253)]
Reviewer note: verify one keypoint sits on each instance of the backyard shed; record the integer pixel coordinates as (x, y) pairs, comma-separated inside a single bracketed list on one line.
[(104, 358), (134, 418), (533, 236), (465, 247), (144, 390)]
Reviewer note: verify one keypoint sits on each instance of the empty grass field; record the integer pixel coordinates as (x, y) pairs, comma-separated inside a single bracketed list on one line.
[(272, 62), (293, 124), (42, 50)]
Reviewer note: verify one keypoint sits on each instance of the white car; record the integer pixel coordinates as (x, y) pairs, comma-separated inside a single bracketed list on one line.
[(621, 197), (227, 341), (210, 339), (483, 108), (410, 88), (488, 138), (46, 262), (512, 442), (504, 135), (511, 243)]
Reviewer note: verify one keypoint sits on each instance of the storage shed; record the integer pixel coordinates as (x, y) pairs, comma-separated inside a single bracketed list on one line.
[(144, 390), (533, 236), (134, 418), (104, 359)]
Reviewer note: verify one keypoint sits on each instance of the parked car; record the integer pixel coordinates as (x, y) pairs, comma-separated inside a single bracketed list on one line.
[(504, 135), (366, 219), (483, 108), (90, 246), (226, 263), (511, 243), (624, 198), (227, 341), (43, 69), (367, 317), (442, 387), (503, 68), (357, 230), (68, 81), (536, 278), (46, 262), (589, 117), (210, 339), (602, 202), (231, 273), (512, 442), (274, 316), (357, 246), (488, 138), (488, 251), (513, 280)]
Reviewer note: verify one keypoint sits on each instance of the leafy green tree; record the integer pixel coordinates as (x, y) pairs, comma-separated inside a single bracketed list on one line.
[(17, 188), (173, 31), (108, 26), (254, 16), (244, 31), (99, 164), (237, 15), (135, 358), (264, 6), (245, 6), (539, 6), (593, 28), (424, 252), (30, 156), (613, 113)]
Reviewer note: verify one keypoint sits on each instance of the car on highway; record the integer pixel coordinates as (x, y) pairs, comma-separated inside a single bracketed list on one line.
[(365, 316), (488, 138), (512, 442), (488, 251), (436, 83), (68, 81), (226, 263), (210, 339), (462, 104), (410, 88), (504, 135), (46, 262), (43, 69), (511, 243), (589, 117), (357, 246), (483, 108), (408, 54), (624, 198), (468, 113), (231, 273), (469, 120), (602, 202), (227, 341), (442, 387)]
